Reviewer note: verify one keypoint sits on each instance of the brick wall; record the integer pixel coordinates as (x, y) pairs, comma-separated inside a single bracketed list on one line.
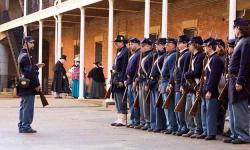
[(209, 16)]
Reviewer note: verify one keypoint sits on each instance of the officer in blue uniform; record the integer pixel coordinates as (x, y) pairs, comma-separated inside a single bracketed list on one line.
[(167, 75), (184, 55), (29, 71), (118, 77), (239, 84), (194, 123), (157, 116), (210, 104), (131, 71), (143, 75)]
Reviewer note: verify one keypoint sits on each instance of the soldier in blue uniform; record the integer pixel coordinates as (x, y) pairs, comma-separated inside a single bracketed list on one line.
[(221, 51), (131, 71), (118, 76), (29, 71), (167, 75), (143, 75), (210, 104), (194, 123), (231, 45), (239, 84), (230, 49), (157, 116), (184, 56)]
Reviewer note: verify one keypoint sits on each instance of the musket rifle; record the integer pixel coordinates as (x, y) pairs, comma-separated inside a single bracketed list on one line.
[(182, 102), (198, 96), (170, 91)]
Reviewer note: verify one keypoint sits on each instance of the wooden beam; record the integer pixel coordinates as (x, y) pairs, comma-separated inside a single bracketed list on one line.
[(64, 21), (121, 10), (153, 2), (87, 16)]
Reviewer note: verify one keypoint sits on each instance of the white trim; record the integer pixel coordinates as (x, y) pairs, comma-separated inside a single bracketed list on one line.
[(46, 13)]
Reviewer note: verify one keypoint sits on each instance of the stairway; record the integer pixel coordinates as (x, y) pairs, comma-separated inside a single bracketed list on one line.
[(14, 37)]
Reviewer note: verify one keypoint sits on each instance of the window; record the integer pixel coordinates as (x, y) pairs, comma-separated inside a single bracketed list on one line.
[(239, 13), (153, 37), (190, 31), (76, 50), (98, 51)]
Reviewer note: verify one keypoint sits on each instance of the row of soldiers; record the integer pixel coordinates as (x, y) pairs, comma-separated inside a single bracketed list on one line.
[(184, 86)]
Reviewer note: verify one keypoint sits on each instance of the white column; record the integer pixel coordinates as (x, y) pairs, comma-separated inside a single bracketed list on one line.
[(232, 17), (40, 4), (40, 53), (7, 4), (59, 37), (25, 30), (25, 13), (82, 38), (56, 35), (164, 31), (25, 7), (147, 19), (110, 37)]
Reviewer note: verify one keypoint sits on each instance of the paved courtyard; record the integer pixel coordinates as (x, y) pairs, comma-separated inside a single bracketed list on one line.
[(80, 125)]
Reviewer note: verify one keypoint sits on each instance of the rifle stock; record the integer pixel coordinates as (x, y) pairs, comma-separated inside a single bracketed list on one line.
[(136, 101), (180, 107), (224, 92), (169, 98), (43, 99), (192, 83), (108, 93), (194, 108), (159, 101), (148, 97), (223, 97), (125, 95)]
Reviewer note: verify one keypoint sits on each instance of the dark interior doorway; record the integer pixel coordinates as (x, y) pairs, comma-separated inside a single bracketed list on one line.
[(98, 51)]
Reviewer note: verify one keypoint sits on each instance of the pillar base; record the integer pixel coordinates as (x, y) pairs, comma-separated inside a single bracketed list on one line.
[(81, 98), (108, 102)]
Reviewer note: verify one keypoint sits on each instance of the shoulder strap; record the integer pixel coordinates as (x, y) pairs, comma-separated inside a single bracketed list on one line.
[(20, 57)]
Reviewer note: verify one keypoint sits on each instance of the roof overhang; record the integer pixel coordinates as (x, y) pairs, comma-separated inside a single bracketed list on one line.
[(46, 13)]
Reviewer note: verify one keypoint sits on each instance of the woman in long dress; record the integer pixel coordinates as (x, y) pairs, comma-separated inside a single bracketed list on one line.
[(97, 88), (75, 73)]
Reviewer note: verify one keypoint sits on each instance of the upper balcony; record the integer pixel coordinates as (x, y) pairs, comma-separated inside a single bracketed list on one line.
[(15, 8)]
